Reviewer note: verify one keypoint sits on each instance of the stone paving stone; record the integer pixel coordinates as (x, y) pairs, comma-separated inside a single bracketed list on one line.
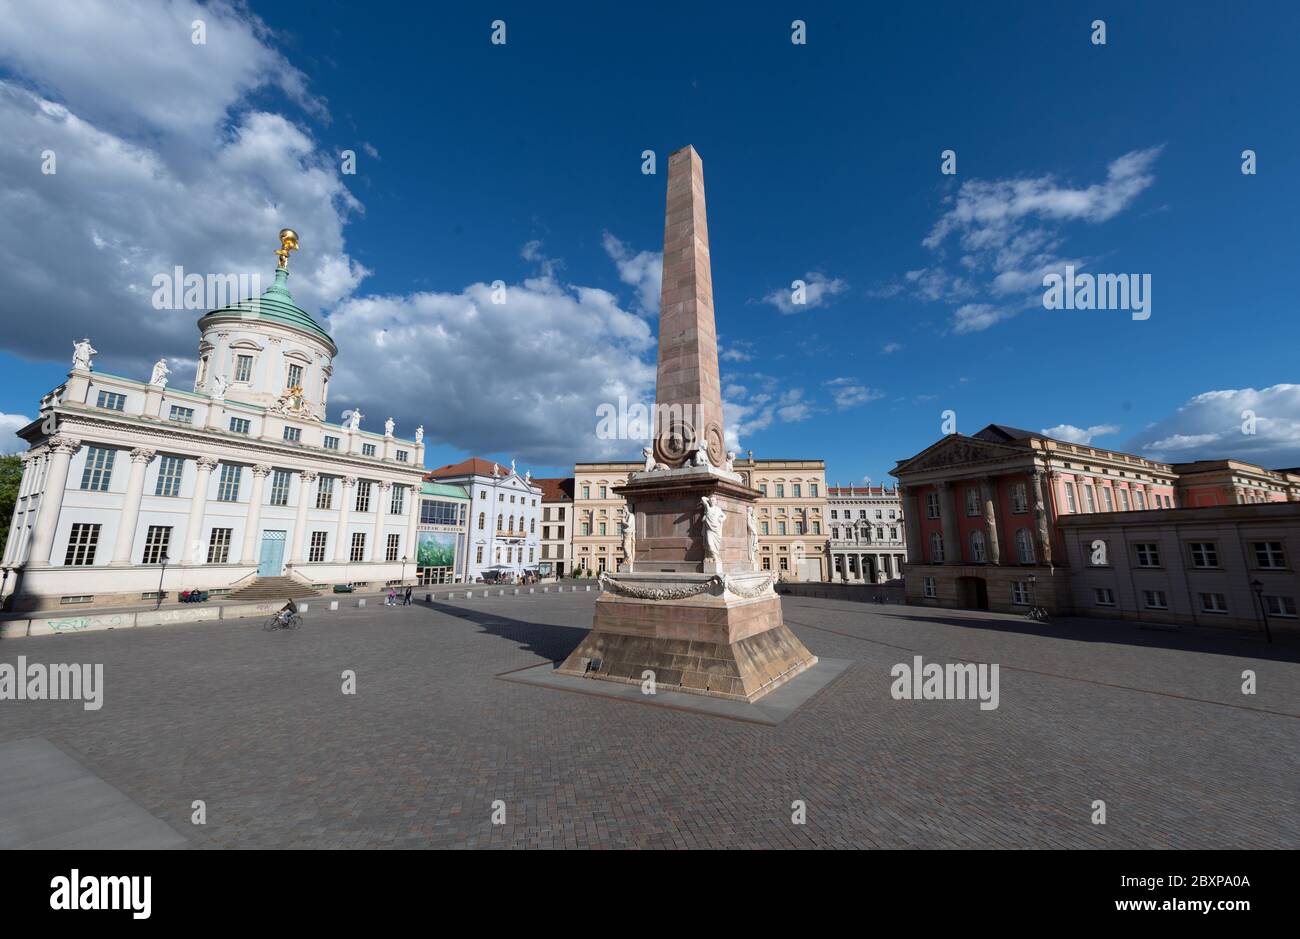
[(255, 724)]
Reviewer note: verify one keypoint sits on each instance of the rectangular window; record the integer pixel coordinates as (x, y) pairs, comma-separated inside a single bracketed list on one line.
[(780, 490), (316, 553), (603, 494), (765, 528), (280, 488), (358, 546), (81, 545), (1204, 554), (767, 563), (240, 425), (780, 528), (228, 487), (1280, 606), (367, 449), (1140, 499), (762, 490), (293, 434), (181, 415), (1267, 553), (817, 528), (397, 505), (602, 528), (111, 400), (1071, 506), (1155, 600), (813, 490), (402, 456), (363, 496), (1148, 554), (798, 528), (478, 557), (1020, 593), (1214, 603), (796, 490), (585, 529), (99, 469), (932, 505), (972, 502), (1089, 500), (1123, 500), (1106, 499), (244, 368), (170, 469), (219, 545), (295, 376), (156, 543), (783, 563), (1105, 596), (1019, 499), (393, 544), (929, 589), (331, 443), (325, 493)]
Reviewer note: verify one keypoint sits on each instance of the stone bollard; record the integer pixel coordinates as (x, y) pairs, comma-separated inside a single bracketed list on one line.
[(531, 590), (546, 590), (302, 607), (587, 588), (361, 602), (501, 592), (428, 598), (334, 604)]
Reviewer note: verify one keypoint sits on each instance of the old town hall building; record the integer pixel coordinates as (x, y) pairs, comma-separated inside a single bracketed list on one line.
[(131, 488)]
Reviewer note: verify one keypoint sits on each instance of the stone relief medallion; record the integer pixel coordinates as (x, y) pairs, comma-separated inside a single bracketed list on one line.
[(717, 446), (675, 442)]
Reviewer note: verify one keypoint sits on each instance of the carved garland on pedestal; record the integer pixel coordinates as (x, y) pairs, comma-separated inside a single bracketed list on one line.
[(763, 586), (638, 592)]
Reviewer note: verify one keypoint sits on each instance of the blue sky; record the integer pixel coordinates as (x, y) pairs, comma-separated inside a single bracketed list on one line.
[(522, 163)]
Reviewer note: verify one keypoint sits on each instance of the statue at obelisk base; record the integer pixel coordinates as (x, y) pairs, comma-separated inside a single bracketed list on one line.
[(689, 604)]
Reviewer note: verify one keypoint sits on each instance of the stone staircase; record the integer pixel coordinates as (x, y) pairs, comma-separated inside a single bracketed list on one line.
[(273, 588)]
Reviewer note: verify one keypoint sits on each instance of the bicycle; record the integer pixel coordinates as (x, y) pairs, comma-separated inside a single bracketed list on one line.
[(283, 620), (1038, 614)]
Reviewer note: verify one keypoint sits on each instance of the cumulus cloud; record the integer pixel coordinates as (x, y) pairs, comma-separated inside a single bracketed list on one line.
[(1009, 234), (747, 411), (890, 348), (1256, 425), (1082, 435), (10, 442), (818, 291), (643, 270)]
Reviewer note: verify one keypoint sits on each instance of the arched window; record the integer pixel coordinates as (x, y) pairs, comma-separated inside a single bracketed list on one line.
[(511, 526), (1024, 546), (482, 520), (500, 521), (936, 548), (977, 553)]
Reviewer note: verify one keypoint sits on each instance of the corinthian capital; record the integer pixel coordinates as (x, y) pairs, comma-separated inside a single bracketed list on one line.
[(208, 463), (307, 476), (68, 445), (261, 469), (143, 455), (349, 481)]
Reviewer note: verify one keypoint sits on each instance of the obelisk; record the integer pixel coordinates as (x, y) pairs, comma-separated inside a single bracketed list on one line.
[(690, 609)]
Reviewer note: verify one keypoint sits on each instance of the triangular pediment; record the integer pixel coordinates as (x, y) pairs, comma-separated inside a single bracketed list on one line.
[(957, 450)]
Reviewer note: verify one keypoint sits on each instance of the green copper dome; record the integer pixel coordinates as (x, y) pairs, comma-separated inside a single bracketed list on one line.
[(275, 305)]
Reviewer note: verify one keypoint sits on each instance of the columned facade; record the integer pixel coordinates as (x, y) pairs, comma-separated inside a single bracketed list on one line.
[(867, 543)]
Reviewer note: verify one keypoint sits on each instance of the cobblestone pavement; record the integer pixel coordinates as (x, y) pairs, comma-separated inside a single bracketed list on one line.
[(255, 725)]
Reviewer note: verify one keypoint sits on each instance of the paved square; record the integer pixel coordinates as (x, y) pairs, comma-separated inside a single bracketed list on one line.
[(255, 725)]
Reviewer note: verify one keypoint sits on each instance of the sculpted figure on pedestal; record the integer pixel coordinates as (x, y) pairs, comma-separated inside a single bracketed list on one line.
[(714, 516)]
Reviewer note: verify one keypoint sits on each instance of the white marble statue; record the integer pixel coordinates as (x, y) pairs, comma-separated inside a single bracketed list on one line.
[(160, 373), (496, 471), (354, 421), (419, 435), (714, 516), (512, 467), (731, 461), (649, 454), (528, 476), (388, 427), (81, 355), (219, 383), (702, 457), (751, 523), (629, 536)]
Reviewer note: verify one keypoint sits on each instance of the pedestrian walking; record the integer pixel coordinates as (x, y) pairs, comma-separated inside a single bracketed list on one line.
[(406, 600)]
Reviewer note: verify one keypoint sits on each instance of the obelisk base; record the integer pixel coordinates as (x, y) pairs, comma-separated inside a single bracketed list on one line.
[(695, 633)]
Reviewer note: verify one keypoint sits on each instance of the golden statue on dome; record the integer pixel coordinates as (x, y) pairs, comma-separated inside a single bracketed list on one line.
[(288, 242)]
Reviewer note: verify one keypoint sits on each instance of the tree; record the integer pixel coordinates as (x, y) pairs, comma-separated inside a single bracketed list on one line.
[(11, 474)]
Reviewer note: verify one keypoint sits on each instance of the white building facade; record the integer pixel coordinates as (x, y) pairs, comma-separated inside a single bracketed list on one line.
[(129, 483), (504, 515), (868, 540)]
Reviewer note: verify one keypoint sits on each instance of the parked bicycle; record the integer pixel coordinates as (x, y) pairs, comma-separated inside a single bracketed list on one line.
[(287, 617), (1039, 614)]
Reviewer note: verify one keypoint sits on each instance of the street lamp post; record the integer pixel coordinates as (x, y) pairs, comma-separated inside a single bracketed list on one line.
[(161, 574), (1033, 581), (1263, 610), (403, 568)]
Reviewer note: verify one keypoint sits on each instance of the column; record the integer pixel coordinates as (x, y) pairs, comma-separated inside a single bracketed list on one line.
[(198, 504), (948, 519), (381, 507), (988, 491), (47, 515), (911, 525), (342, 543), (411, 548), (299, 553), (254, 518), (1040, 517), (141, 457)]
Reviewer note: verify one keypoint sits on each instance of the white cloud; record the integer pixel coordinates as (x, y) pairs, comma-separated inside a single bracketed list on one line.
[(746, 413), (847, 393), (818, 291), (890, 348), (10, 442), (1215, 425), (642, 269), (738, 350), (973, 317), (1083, 435)]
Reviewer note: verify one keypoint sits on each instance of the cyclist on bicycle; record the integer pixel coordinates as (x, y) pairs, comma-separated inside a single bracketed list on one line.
[(288, 611)]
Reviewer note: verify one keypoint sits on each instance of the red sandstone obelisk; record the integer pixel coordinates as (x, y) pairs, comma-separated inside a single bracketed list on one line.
[(689, 608)]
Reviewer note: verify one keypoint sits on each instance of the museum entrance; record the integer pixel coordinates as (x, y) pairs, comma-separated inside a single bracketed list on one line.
[(433, 575), (973, 593)]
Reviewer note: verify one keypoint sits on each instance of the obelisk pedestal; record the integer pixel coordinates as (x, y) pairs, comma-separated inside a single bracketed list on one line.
[(693, 613)]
